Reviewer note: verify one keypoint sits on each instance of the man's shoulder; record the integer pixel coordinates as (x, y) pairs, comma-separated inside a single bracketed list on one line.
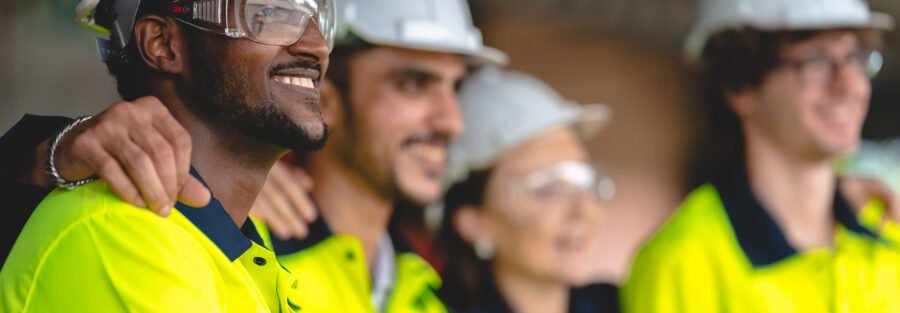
[(90, 217), (77, 237), (95, 205), (698, 220), (91, 198)]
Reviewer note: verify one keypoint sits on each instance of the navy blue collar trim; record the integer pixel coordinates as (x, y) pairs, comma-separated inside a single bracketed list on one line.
[(760, 238), (219, 227), (595, 298)]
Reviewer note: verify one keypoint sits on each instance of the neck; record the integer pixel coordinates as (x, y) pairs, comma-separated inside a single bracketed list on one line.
[(797, 192), (234, 165), (349, 204), (528, 294)]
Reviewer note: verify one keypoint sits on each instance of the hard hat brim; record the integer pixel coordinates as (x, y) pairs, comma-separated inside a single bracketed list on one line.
[(478, 57), (589, 119), (700, 34)]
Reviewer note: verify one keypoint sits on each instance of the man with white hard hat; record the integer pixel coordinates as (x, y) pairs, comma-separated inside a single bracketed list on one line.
[(772, 233), (390, 103)]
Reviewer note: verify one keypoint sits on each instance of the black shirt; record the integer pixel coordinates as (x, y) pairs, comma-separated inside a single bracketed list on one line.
[(17, 147), (596, 298)]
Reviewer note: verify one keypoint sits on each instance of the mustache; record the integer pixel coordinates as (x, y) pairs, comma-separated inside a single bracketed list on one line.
[(433, 137), (296, 64)]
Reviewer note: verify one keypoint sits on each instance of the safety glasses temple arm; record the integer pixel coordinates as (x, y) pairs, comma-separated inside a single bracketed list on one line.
[(203, 10)]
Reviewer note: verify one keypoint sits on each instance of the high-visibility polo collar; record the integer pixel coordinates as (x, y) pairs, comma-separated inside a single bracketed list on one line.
[(599, 297), (219, 227), (761, 239)]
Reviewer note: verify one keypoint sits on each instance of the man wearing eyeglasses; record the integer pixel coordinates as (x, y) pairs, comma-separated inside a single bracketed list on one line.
[(772, 233), (245, 96)]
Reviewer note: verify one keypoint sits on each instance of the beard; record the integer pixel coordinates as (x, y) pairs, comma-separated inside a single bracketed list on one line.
[(355, 152), (220, 94)]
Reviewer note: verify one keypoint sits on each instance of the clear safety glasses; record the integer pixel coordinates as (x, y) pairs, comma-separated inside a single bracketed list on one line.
[(270, 22), (821, 70), (563, 186)]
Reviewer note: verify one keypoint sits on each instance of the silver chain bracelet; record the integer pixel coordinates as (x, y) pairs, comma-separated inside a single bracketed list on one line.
[(51, 158)]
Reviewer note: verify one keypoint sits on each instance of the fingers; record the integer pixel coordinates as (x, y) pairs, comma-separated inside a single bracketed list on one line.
[(178, 139), (112, 172), (273, 207), (860, 190), (853, 187), (140, 149), (301, 177), (141, 169), (291, 184), (880, 190), (263, 211), (157, 151), (193, 193)]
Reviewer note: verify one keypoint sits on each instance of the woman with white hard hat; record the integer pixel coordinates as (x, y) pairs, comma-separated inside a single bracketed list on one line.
[(525, 203)]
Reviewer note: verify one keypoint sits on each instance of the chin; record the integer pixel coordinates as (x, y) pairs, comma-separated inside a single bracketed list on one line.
[(422, 193), (841, 147), (578, 274), (316, 130)]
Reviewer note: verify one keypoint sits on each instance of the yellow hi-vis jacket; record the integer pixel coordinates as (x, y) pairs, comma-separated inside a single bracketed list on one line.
[(333, 276), (721, 252), (86, 250)]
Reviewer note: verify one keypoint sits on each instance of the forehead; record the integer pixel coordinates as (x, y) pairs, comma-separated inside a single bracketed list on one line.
[(382, 60), (824, 42), (547, 149)]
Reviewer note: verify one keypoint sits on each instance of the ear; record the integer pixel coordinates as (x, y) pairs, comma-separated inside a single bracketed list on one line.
[(469, 223), (160, 43), (743, 102), (331, 103)]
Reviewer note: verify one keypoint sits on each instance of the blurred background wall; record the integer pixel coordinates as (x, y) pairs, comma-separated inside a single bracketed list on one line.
[(625, 53)]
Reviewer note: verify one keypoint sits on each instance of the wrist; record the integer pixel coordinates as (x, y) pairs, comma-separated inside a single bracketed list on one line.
[(52, 172)]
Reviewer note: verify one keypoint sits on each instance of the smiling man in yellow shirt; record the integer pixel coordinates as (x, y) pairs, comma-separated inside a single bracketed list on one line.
[(236, 90), (773, 233)]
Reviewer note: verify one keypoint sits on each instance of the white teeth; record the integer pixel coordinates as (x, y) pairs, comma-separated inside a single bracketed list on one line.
[(431, 153), (304, 82)]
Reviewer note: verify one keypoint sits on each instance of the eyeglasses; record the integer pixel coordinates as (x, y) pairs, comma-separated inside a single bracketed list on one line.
[(563, 186), (269, 22), (821, 70)]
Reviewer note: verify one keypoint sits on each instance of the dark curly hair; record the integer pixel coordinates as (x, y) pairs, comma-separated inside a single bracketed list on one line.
[(466, 277), (735, 60)]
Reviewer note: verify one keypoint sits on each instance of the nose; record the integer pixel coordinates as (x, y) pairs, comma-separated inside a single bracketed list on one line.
[(585, 207), (311, 45), (446, 117)]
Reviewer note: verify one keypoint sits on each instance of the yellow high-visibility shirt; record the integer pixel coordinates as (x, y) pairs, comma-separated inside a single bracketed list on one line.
[(86, 250), (721, 252), (335, 264)]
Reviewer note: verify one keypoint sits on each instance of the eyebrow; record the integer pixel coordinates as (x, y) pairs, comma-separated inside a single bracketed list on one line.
[(415, 73)]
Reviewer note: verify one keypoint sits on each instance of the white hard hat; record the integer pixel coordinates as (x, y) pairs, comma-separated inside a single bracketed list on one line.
[(430, 25), (719, 15), (504, 109)]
